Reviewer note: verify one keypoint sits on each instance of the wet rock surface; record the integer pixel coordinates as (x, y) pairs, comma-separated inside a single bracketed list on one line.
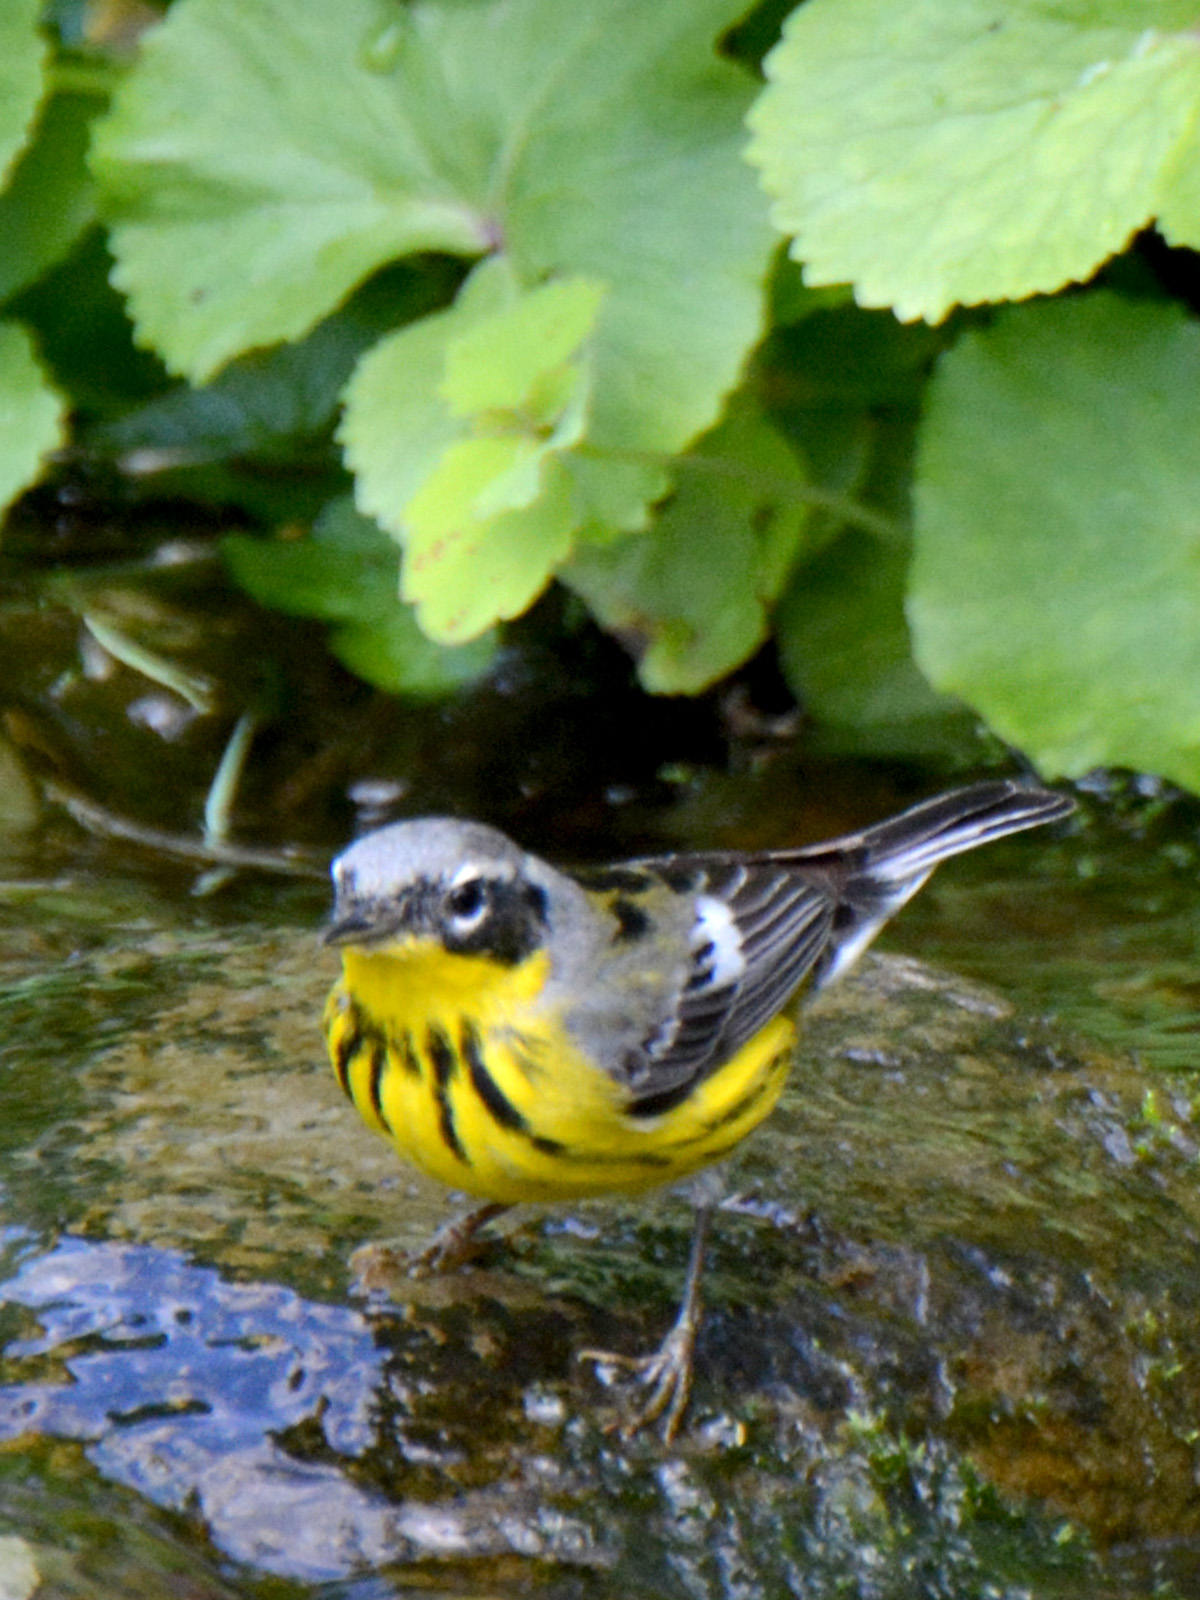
[(949, 1347)]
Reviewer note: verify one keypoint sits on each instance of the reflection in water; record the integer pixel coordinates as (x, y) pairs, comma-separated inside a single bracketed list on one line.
[(183, 1384)]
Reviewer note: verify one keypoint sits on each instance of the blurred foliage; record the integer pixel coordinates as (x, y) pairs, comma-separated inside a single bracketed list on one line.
[(503, 271), (341, 574)]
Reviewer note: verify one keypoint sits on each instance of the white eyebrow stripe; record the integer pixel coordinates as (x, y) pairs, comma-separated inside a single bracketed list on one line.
[(715, 925), (472, 869)]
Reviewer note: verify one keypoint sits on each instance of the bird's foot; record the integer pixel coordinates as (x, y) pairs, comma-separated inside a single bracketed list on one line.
[(667, 1374), (379, 1266)]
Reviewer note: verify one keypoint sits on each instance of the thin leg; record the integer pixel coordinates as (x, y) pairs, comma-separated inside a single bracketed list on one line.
[(668, 1372), (453, 1243), (376, 1266)]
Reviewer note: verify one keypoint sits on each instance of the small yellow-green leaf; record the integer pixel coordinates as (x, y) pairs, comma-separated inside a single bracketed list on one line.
[(475, 479), (501, 361), (489, 569), (457, 489)]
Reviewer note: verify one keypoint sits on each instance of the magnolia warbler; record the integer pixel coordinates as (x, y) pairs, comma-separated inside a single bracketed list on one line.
[(524, 1033)]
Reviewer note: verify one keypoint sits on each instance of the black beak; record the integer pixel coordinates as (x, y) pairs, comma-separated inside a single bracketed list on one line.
[(345, 930), (364, 922)]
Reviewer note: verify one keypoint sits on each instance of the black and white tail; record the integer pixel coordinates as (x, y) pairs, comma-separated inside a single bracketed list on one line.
[(876, 871), (764, 922)]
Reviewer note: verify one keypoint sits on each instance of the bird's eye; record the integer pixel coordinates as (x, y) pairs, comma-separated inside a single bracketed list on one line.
[(467, 904)]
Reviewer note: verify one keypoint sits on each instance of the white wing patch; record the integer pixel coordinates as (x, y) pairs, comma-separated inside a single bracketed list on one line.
[(715, 927)]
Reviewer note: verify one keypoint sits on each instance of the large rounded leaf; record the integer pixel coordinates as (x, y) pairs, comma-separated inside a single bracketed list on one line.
[(1056, 578), (934, 154)]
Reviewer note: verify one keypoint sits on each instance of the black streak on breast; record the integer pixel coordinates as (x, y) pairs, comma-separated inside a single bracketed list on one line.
[(445, 1062)]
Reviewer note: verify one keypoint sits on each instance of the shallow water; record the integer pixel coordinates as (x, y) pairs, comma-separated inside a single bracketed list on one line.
[(953, 1341)]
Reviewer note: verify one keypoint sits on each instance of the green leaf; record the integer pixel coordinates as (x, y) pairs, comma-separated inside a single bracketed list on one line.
[(32, 415), (792, 299), (847, 386), (479, 497), (50, 198), (1056, 580), (936, 154), (509, 361), (257, 166), (346, 573), (484, 567), (260, 435), (691, 597), (83, 334), (844, 647), (346, 568), (394, 654), (270, 403), (22, 57), (264, 156)]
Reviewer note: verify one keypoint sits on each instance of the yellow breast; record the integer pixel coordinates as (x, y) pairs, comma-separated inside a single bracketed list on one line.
[(453, 1058)]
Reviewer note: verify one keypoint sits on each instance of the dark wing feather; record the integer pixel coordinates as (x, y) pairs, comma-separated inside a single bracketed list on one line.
[(781, 924), (792, 912), (810, 910)]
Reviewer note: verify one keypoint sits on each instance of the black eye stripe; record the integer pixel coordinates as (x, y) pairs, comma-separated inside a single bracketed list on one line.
[(506, 924)]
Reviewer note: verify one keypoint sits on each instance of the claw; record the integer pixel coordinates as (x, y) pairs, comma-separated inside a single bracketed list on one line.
[(668, 1371), (376, 1266)]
